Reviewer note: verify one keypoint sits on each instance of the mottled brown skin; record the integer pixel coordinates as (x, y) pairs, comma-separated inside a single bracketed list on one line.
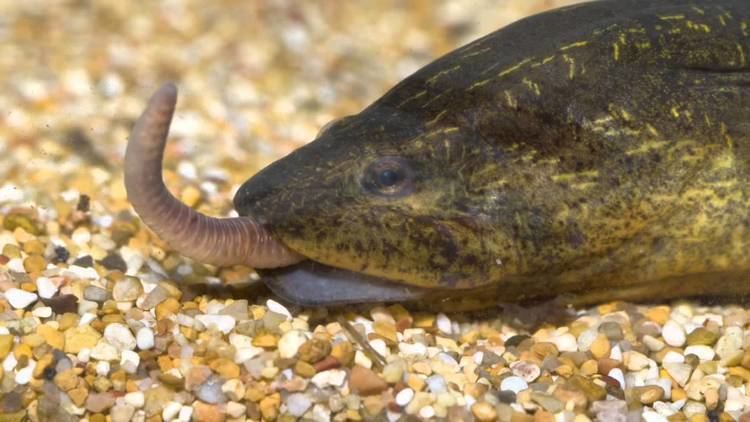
[(599, 149)]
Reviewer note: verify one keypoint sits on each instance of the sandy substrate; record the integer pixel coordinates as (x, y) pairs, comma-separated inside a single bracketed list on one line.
[(96, 322)]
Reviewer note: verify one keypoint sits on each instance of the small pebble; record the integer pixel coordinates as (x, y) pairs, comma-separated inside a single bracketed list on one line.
[(20, 299)]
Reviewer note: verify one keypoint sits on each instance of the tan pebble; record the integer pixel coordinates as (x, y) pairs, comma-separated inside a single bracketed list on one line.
[(648, 394), (304, 369), (740, 372), (475, 390), (314, 350), (34, 246), (373, 405), (365, 382), (484, 411), (569, 394), (543, 416), (66, 380), (190, 196), (51, 336), (34, 263), (590, 367), (83, 337), (226, 368), (422, 367), (78, 396), (205, 412), (416, 382), (42, 364), (659, 314), (607, 364), (11, 251), (593, 391), (712, 398), (600, 348), (22, 351), (353, 415), (167, 308), (387, 332), (265, 340), (269, 406), (544, 349), (698, 418), (424, 320), (342, 352), (68, 320), (678, 394), (6, 344)]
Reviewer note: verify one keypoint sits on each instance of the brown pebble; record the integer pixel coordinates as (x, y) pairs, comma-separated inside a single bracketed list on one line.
[(329, 362), (365, 382), (314, 350), (304, 369), (342, 352)]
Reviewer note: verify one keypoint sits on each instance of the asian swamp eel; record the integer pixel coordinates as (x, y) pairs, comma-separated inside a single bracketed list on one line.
[(600, 151)]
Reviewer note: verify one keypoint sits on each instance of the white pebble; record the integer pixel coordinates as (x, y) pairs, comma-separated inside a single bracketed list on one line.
[(362, 360), (130, 361), (514, 384), (427, 412), (135, 399), (42, 312), (702, 351), (278, 308), (565, 342), (379, 345), (45, 287), (673, 334), (415, 349), (102, 368), (616, 373), (680, 372), (673, 357), (444, 324), (329, 378), (290, 342), (186, 414), (23, 376), (223, 323), (120, 336), (404, 396), (10, 362), (105, 351), (19, 299), (144, 338), (297, 404), (171, 410)]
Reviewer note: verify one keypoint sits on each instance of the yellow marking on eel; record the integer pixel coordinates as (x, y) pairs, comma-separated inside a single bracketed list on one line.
[(567, 177), (533, 86), (698, 9), (742, 54), (571, 66), (441, 73), (698, 26), (616, 51), (574, 45), (513, 68), (672, 17), (510, 99), (479, 84), (413, 97), (433, 121), (646, 147), (476, 53)]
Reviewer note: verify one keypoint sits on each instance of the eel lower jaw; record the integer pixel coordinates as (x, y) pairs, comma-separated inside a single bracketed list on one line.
[(310, 283)]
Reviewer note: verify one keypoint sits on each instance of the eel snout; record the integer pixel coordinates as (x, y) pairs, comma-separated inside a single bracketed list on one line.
[(217, 241)]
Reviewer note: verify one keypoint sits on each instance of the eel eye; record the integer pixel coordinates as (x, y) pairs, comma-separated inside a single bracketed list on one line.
[(389, 176)]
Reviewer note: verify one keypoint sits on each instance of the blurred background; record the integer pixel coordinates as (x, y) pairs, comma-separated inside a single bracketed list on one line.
[(257, 79)]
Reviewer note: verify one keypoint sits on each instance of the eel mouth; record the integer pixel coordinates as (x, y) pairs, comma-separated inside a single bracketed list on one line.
[(311, 283)]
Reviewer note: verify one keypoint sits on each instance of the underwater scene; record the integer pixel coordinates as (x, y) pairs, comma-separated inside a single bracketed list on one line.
[(385, 210)]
